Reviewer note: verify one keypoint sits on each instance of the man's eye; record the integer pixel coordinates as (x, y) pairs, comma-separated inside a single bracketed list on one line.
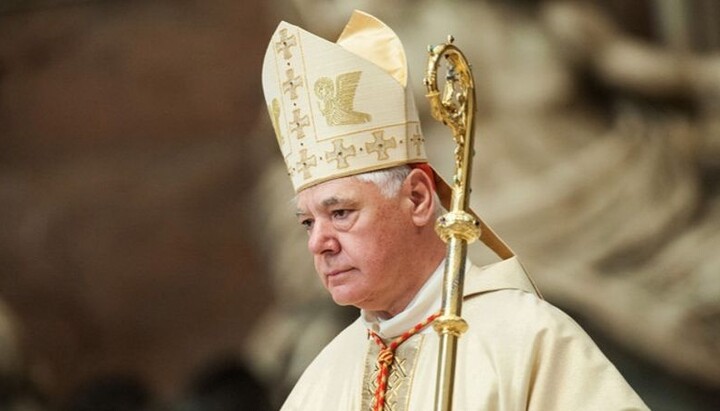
[(340, 213), (307, 224)]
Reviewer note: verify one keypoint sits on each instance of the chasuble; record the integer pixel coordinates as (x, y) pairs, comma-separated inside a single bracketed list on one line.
[(519, 353)]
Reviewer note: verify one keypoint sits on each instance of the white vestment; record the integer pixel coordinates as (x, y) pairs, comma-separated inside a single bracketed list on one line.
[(519, 353)]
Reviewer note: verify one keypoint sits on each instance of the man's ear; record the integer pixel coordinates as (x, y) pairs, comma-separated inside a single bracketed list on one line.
[(421, 195)]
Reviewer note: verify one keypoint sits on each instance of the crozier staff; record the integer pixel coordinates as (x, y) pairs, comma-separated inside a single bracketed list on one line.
[(347, 127)]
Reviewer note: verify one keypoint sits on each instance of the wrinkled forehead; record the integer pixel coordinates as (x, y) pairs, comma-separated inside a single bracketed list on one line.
[(340, 191)]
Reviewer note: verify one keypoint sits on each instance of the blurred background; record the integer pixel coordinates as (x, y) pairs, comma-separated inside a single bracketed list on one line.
[(149, 259)]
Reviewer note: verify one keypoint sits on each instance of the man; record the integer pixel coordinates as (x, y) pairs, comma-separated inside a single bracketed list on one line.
[(347, 126)]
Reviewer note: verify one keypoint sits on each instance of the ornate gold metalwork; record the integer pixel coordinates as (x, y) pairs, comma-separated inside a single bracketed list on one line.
[(454, 107), (450, 324), (459, 224)]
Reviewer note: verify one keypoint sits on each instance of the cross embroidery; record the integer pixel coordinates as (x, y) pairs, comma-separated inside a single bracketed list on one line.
[(297, 123), (417, 141), (306, 163), (340, 153), (397, 380), (285, 43), (292, 83), (380, 145)]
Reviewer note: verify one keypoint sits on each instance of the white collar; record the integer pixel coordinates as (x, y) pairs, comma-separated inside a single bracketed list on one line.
[(425, 303)]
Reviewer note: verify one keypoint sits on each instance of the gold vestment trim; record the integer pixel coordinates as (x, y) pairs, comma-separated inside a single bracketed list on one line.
[(397, 396)]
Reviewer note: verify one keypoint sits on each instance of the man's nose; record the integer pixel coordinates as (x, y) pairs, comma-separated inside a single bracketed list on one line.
[(323, 238)]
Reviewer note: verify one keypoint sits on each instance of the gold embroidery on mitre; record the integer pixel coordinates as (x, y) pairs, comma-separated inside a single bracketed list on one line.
[(300, 89), (274, 109), (380, 145), (297, 124), (285, 43), (338, 99), (306, 163), (292, 83), (340, 153), (417, 140), (399, 383)]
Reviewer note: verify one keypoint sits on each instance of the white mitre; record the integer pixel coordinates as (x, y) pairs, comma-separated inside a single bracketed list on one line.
[(344, 108)]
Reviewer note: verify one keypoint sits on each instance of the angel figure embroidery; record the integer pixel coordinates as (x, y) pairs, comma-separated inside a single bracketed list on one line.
[(337, 100)]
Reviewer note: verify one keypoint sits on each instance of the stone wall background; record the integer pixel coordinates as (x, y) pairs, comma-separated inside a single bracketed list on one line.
[(144, 209)]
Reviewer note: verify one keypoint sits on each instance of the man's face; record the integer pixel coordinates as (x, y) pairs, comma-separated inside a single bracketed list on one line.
[(358, 239)]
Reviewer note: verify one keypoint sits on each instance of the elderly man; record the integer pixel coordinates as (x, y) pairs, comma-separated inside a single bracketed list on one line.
[(347, 126)]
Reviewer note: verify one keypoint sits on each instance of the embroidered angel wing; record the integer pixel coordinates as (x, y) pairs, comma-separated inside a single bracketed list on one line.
[(337, 101), (346, 85)]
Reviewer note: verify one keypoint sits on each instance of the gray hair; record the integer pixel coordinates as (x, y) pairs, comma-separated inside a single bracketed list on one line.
[(388, 180)]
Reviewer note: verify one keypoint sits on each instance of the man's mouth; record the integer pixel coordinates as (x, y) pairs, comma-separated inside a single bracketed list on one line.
[(334, 273)]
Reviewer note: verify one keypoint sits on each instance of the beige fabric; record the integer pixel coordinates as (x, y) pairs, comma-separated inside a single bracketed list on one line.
[(341, 109), (520, 353)]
